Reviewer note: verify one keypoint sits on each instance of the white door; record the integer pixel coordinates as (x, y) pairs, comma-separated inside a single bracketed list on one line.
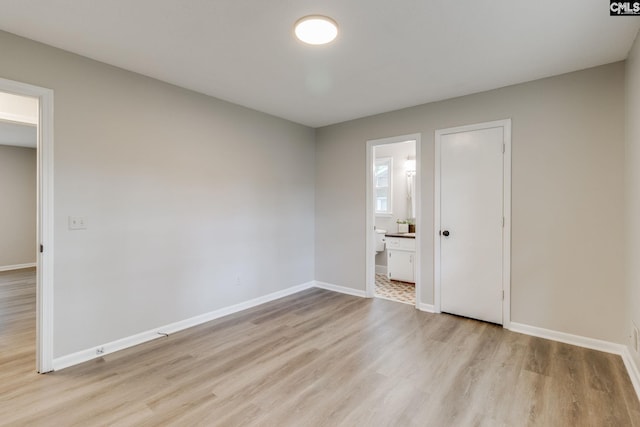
[(471, 223)]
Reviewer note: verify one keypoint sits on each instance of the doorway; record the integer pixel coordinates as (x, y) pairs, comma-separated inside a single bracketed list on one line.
[(393, 204), (42, 121), (472, 221)]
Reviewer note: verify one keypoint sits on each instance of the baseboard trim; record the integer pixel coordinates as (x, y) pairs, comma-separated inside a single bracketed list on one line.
[(429, 308), (341, 289), (133, 340), (592, 343), (17, 266), (120, 344), (632, 369)]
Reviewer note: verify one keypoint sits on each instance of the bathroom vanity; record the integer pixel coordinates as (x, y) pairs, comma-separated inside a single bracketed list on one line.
[(401, 253)]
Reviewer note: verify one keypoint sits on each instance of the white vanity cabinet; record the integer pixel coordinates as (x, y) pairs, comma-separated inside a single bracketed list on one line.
[(401, 253)]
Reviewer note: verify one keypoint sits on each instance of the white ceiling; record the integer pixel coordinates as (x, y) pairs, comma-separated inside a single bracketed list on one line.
[(18, 134), (388, 55)]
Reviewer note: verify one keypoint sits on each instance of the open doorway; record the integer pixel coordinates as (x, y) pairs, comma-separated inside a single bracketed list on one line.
[(18, 228), (26, 255), (392, 219)]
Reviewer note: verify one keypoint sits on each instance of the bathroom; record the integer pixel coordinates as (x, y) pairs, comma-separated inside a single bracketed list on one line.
[(395, 212)]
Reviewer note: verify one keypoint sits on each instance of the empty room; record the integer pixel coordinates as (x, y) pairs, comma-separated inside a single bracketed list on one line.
[(376, 213)]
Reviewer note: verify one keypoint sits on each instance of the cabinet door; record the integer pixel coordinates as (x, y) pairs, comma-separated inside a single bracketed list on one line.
[(400, 266)]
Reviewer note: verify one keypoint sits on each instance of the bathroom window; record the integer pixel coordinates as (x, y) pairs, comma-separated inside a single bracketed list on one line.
[(382, 181)]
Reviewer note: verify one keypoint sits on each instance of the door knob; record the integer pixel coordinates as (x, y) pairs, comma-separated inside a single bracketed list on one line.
[(445, 233)]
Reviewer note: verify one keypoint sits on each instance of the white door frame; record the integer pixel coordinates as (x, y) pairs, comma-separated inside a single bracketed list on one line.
[(506, 194), (44, 274), (370, 221)]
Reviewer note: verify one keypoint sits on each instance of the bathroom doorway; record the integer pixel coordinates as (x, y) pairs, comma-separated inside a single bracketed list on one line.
[(393, 203)]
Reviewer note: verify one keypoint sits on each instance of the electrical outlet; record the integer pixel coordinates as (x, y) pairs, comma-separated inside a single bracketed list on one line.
[(77, 223), (238, 281), (100, 350)]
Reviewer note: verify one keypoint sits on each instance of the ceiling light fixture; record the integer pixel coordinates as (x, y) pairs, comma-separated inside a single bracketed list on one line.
[(316, 29)]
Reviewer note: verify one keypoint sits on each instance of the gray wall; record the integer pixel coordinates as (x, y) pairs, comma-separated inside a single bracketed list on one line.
[(183, 193), (18, 201), (567, 197), (632, 194)]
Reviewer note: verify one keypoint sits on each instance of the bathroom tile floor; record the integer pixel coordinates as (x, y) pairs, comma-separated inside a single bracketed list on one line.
[(394, 290)]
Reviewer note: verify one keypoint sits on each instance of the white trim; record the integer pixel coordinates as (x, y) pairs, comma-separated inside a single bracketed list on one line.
[(436, 225), (370, 283), (591, 343), (113, 346), (17, 118), (566, 338), (506, 229), (45, 230), (632, 369), (44, 274), (340, 289), (418, 219), (506, 235), (429, 308), (17, 266)]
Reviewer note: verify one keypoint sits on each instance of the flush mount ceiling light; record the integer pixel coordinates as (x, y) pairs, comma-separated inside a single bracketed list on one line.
[(316, 29)]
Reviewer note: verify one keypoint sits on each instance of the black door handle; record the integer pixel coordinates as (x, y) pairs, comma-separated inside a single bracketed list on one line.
[(445, 233)]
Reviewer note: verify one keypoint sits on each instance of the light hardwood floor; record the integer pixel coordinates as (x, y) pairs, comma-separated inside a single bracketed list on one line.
[(316, 358)]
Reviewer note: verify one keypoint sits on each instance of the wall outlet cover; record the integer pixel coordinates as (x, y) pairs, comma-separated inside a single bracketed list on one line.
[(77, 223)]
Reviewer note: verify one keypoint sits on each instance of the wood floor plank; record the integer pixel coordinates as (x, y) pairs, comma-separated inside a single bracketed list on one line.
[(316, 358)]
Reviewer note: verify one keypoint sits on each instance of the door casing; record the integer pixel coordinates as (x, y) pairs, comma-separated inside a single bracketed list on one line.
[(44, 260), (506, 236), (370, 220)]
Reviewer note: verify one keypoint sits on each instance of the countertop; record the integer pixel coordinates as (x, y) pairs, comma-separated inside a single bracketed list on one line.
[(407, 235)]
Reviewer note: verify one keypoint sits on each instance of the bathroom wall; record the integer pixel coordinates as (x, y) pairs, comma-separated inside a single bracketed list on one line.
[(567, 196), (399, 152)]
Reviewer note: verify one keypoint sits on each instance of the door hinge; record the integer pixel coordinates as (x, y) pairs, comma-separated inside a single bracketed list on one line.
[(504, 149), (502, 295), (502, 222), (41, 248)]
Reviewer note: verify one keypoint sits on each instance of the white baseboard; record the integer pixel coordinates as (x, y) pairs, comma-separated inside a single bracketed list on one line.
[(341, 289), (381, 269), (17, 266), (107, 348), (429, 308), (592, 343), (113, 346), (632, 369)]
